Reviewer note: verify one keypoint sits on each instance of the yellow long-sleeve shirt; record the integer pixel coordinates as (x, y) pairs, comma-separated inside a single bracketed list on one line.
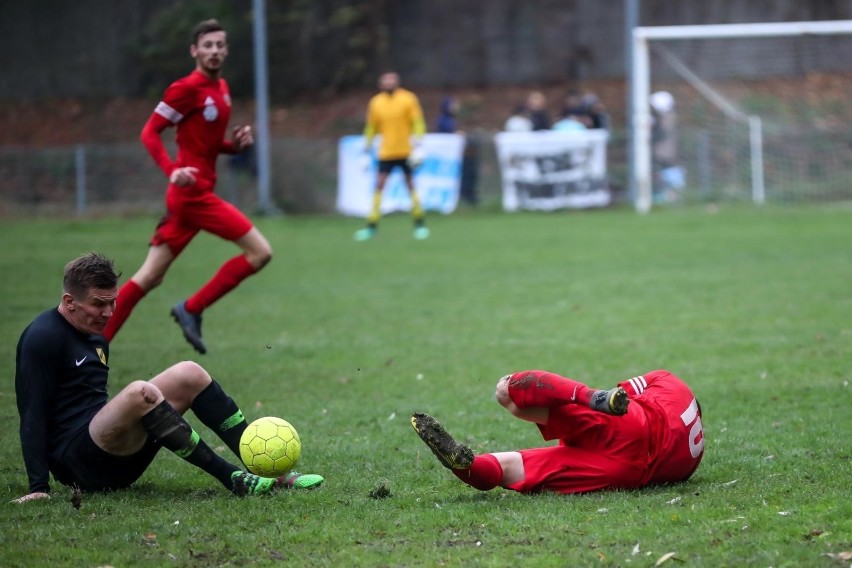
[(396, 116)]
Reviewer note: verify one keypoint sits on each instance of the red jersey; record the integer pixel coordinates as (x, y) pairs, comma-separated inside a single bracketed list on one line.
[(659, 440), (674, 423), (200, 108)]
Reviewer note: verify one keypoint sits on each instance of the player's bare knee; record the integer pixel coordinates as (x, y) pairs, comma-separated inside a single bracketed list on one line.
[(190, 372), (502, 392), (259, 258), (264, 259), (145, 393)]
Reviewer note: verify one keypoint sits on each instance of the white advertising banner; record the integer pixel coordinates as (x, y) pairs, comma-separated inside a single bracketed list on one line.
[(546, 170), (436, 180)]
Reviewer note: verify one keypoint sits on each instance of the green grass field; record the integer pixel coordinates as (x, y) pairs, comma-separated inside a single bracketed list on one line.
[(752, 307)]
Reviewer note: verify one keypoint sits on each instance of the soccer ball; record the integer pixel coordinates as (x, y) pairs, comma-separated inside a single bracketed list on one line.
[(270, 447)]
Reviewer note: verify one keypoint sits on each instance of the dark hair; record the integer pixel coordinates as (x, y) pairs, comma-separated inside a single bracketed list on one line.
[(205, 27), (91, 270)]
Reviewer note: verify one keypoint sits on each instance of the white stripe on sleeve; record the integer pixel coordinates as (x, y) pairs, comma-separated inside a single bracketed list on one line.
[(638, 384), (168, 113)]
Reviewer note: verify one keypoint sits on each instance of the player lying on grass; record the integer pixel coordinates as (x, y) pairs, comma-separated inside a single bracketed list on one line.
[(646, 430), (70, 429)]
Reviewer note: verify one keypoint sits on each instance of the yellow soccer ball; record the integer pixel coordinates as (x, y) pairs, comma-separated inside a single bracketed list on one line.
[(270, 447)]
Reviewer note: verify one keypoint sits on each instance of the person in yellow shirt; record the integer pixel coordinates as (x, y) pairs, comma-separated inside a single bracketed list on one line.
[(396, 115)]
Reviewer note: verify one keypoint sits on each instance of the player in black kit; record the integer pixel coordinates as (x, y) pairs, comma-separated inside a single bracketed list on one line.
[(69, 427)]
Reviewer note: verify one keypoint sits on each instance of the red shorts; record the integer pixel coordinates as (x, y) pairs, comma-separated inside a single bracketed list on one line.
[(596, 451), (196, 208)]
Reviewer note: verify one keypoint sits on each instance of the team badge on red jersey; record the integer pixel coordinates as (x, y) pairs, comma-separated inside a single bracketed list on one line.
[(211, 113)]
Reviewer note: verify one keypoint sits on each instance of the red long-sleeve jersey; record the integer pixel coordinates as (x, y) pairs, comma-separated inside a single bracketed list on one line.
[(659, 440), (200, 108)]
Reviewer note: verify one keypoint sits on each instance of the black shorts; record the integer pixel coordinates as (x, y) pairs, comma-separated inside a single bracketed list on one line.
[(387, 166), (86, 466)]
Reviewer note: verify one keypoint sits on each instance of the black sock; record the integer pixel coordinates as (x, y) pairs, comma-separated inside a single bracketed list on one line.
[(170, 429), (220, 413)]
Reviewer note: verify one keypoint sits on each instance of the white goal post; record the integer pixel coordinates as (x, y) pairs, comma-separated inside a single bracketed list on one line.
[(642, 171)]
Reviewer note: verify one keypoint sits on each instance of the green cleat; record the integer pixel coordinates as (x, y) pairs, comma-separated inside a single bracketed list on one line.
[(295, 480), (245, 483), (450, 453), (613, 401)]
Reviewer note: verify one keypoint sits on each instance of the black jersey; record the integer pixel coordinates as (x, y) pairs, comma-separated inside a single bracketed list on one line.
[(60, 384)]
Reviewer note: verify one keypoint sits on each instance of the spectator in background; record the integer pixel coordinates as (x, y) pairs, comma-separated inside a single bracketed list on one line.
[(572, 105), (537, 107), (446, 123), (596, 111), (470, 169), (570, 123), (519, 121), (586, 108), (668, 175), (242, 171)]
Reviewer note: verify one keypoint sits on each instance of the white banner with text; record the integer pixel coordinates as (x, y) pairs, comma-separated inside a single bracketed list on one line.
[(546, 170)]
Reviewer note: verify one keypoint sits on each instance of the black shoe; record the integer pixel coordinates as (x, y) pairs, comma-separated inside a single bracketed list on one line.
[(191, 326), (450, 453), (614, 401)]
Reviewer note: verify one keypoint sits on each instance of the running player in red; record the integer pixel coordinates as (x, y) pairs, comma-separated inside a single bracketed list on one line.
[(199, 106), (646, 430)]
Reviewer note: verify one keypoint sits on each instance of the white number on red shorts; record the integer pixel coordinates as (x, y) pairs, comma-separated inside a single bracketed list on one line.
[(696, 433)]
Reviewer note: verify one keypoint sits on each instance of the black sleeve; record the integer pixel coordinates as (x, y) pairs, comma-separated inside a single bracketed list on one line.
[(36, 372)]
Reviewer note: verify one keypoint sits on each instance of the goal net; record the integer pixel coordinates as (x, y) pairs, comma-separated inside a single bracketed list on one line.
[(742, 112)]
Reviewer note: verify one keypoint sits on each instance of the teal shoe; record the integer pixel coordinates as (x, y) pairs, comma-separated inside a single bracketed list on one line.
[(421, 233), (365, 234)]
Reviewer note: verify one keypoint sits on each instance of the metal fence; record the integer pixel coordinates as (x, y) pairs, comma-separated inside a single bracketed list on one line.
[(93, 180)]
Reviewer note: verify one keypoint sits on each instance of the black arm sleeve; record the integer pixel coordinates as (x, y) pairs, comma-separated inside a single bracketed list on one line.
[(35, 377)]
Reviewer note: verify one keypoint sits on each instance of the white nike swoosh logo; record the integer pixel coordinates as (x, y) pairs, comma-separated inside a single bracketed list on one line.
[(574, 396), (80, 362)]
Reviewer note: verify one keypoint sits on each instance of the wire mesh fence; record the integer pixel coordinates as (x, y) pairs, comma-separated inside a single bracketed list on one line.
[(94, 179)]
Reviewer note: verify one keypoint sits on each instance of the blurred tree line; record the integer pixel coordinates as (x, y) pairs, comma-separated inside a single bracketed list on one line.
[(318, 45), (107, 49)]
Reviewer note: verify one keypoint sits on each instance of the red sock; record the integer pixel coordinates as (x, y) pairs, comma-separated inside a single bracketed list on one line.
[(540, 388), (485, 473), (226, 279), (128, 296)]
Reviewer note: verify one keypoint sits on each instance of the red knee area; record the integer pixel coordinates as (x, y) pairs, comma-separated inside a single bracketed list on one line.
[(545, 389)]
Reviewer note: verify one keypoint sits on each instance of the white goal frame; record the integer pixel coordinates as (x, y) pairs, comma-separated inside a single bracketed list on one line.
[(641, 126)]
